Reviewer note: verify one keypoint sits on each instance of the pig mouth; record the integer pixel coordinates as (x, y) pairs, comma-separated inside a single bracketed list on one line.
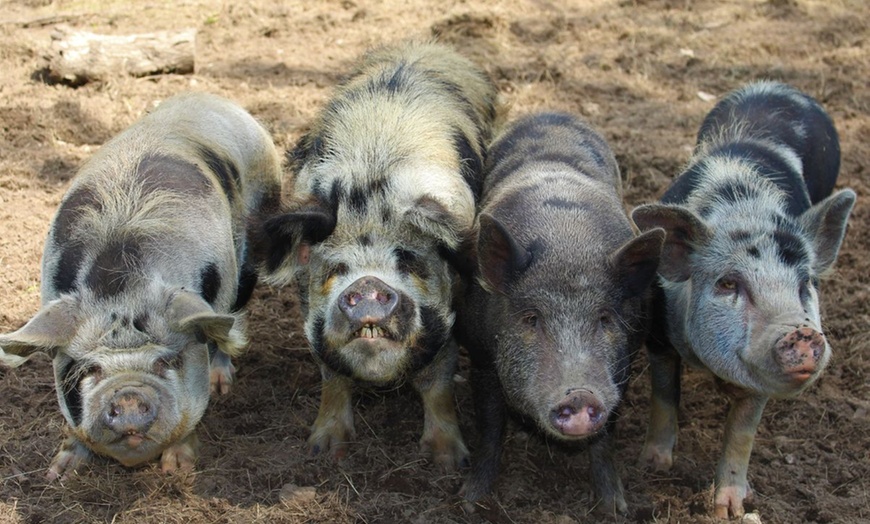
[(132, 440), (372, 332)]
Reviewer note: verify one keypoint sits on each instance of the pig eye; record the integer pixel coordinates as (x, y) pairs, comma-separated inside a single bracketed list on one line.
[(339, 269), (94, 371), (605, 319), (530, 319), (166, 363), (727, 286), (806, 286)]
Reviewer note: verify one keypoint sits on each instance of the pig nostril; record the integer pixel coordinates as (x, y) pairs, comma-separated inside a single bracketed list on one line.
[(594, 414), (353, 299), (565, 413)]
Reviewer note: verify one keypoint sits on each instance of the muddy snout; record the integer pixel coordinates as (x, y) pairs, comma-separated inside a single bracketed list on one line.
[(369, 304), (131, 411), (798, 353), (579, 414)]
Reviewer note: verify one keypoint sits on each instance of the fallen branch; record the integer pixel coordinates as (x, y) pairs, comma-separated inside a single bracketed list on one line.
[(79, 57)]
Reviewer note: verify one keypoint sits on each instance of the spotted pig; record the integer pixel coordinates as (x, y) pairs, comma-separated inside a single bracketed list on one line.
[(752, 225), (144, 273), (382, 206), (559, 301)]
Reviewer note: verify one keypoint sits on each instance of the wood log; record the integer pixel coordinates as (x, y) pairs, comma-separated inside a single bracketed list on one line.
[(79, 57)]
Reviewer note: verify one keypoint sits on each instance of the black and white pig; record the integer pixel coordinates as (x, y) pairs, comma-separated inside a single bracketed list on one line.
[(751, 226), (558, 305), (145, 271), (382, 205)]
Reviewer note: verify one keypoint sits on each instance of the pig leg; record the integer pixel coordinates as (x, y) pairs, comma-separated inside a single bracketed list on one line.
[(661, 434), (72, 454), (441, 436), (181, 456), (221, 371), (605, 478), (731, 484), (490, 412), (333, 428)]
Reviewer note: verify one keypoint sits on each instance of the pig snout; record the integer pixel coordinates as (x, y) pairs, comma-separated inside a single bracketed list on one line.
[(798, 352), (368, 302), (579, 414), (130, 412)]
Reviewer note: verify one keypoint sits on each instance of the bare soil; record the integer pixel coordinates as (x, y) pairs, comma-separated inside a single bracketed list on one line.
[(638, 70)]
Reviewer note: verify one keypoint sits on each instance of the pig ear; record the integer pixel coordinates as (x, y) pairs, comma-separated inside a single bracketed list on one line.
[(637, 260), (53, 327), (826, 224), (189, 313), (434, 219), (286, 238), (685, 232), (500, 258)]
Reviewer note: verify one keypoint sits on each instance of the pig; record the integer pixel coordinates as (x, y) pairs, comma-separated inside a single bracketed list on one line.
[(557, 305), (145, 272), (751, 226), (375, 231)]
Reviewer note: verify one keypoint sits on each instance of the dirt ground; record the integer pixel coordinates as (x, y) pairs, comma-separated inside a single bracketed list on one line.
[(638, 70)]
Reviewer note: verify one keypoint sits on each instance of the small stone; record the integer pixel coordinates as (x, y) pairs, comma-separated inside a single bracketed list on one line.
[(751, 518), (293, 494), (789, 458), (705, 96)]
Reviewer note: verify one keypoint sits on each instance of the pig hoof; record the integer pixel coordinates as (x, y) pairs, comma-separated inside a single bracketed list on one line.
[(71, 455), (179, 458), (729, 500), (221, 379), (333, 441), (657, 458), (447, 451)]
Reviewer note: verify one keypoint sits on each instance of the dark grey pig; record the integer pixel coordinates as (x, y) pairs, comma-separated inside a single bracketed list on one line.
[(558, 304), (751, 226), (144, 272)]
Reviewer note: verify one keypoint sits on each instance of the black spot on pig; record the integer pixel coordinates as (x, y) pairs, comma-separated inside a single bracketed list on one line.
[(409, 262), (140, 323), (790, 249), (471, 163), (158, 171), (226, 171), (70, 381), (740, 236), (68, 265), (357, 200), (247, 282), (70, 211), (209, 283), (435, 334), (734, 191), (113, 267)]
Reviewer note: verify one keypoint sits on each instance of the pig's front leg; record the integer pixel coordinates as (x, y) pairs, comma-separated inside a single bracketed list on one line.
[(732, 486), (605, 478), (490, 412), (333, 428), (661, 434), (441, 435), (181, 456), (72, 454), (221, 371)]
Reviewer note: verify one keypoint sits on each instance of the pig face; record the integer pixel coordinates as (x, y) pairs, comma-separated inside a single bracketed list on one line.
[(131, 382), (748, 285), (378, 294), (566, 325)]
